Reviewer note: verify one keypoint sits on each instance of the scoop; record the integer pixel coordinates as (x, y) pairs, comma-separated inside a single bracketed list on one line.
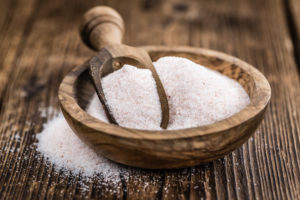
[(164, 148), (102, 30)]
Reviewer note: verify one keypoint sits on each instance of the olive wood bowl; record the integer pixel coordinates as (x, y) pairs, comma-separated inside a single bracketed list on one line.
[(168, 148)]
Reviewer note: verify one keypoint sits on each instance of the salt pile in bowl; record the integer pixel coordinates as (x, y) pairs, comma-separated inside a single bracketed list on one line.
[(197, 96)]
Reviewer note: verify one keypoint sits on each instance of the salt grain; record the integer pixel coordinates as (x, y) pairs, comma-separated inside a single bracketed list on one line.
[(197, 96)]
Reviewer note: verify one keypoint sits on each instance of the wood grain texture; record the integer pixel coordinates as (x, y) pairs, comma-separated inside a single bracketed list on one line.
[(293, 16), (40, 44)]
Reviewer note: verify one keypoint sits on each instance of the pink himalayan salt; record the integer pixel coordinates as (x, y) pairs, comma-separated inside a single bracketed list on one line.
[(197, 96), (63, 148)]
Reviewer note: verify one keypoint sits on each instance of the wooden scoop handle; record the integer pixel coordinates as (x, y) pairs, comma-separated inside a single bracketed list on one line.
[(101, 26), (102, 29)]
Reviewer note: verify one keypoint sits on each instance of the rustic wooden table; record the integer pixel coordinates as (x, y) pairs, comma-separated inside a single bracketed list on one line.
[(40, 44)]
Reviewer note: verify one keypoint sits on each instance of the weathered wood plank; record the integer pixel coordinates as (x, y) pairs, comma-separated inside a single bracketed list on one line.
[(261, 27), (40, 44), (293, 16)]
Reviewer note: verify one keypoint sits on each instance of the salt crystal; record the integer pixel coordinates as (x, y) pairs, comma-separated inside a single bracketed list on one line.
[(197, 96)]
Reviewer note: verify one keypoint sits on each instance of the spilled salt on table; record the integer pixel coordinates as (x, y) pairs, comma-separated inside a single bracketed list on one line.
[(196, 95), (64, 149)]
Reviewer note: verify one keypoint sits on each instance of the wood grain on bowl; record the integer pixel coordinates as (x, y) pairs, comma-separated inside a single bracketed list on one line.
[(169, 148)]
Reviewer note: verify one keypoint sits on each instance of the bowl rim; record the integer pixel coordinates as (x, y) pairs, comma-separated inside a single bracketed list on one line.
[(261, 96)]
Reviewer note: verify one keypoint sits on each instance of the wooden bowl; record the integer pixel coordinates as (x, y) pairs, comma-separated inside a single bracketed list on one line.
[(168, 148)]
